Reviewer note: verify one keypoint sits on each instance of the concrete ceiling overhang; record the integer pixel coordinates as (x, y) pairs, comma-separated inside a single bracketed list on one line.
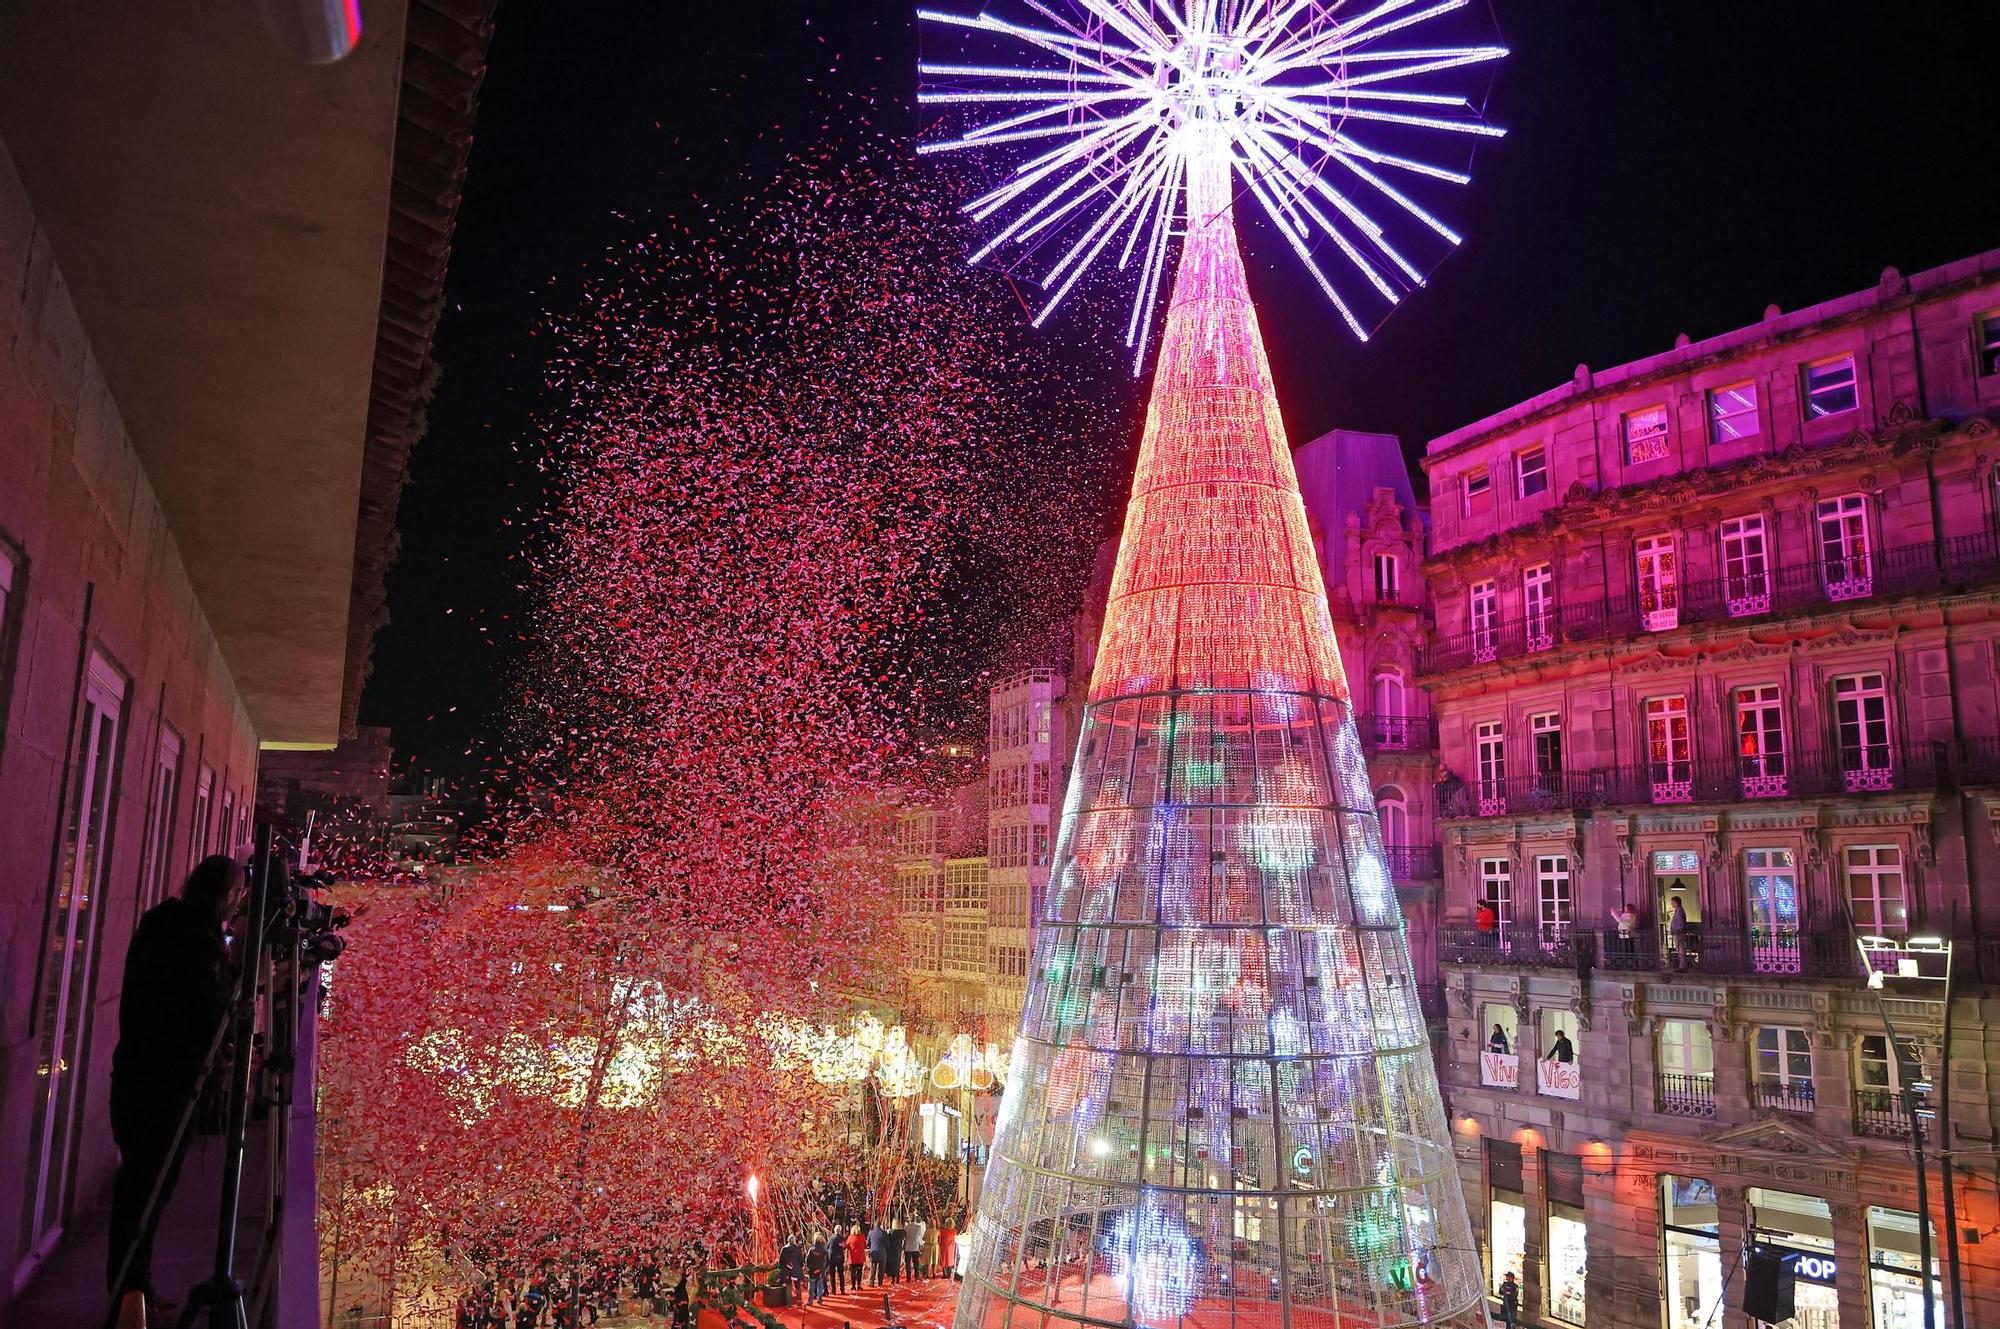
[(220, 214)]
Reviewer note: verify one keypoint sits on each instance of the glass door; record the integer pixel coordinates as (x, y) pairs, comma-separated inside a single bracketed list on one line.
[(1659, 584), (1771, 878), (68, 980)]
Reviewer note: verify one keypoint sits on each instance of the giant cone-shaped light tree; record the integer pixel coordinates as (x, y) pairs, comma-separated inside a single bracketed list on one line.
[(1222, 1109)]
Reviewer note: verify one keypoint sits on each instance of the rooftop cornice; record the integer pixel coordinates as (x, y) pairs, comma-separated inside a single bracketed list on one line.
[(1892, 293), (444, 62)]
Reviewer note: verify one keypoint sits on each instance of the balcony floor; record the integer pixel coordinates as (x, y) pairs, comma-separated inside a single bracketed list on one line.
[(68, 1289)]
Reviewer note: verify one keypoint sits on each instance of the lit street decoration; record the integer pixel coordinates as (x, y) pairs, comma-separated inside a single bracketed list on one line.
[(1108, 106), (1223, 1104)]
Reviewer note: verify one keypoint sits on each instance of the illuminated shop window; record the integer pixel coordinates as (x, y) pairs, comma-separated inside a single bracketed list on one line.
[(1895, 1270), (1691, 1252)]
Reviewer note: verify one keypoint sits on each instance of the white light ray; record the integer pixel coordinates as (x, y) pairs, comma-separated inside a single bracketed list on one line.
[(1092, 120)]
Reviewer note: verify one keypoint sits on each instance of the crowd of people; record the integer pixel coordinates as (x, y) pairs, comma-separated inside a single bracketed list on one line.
[(823, 1263)]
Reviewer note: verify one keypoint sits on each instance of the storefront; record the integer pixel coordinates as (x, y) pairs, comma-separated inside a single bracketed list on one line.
[(1785, 1221), (1895, 1285), (1568, 1253), (1507, 1213), (1691, 1252)]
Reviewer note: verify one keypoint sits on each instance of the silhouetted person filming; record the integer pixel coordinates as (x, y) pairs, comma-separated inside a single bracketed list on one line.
[(176, 991)]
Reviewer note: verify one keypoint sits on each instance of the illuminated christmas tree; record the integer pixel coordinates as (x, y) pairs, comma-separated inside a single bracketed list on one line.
[(1222, 1108)]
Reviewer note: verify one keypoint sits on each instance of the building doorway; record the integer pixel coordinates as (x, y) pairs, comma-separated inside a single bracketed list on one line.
[(1677, 896)]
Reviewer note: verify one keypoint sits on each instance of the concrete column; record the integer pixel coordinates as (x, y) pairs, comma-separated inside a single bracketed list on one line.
[(1850, 1253), (1732, 1224)]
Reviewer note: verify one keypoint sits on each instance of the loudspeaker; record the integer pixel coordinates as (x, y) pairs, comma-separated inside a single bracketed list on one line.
[(1768, 1281)]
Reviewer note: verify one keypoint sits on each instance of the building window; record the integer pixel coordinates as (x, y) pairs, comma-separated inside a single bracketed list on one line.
[(1392, 729), (1845, 567), (1478, 490), (1861, 729), (198, 824), (1388, 578), (1875, 889), (156, 870), (1532, 467), (1538, 601), (1547, 733), (1484, 612), (1496, 887), (1507, 1214), (1732, 412), (1986, 340), (1669, 749), (1041, 856), (68, 983), (1830, 388), (1760, 741), (1771, 879), (1801, 1224), (1896, 1271), (1645, 435), (1394, 816), (1569, 1241), (225, 822), (1691, 1251), (1552, 895), (1746, 566), (1782, 1066), (1658, 576), (1490, 741), (1687, 1069), (1499, 1061)]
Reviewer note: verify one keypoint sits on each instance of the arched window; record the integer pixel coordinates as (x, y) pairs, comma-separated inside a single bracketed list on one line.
[(1394, 814)]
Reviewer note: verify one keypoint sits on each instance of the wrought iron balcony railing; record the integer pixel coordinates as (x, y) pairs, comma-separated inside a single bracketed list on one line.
[(1687, 1095), (1778, 590), (1523, 945), (1414, 862), (1784, 1096), (1397, 733), (1880, 1112), (1865, 768)]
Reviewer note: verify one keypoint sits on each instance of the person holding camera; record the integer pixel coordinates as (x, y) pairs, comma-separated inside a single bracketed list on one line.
[(176, 993)]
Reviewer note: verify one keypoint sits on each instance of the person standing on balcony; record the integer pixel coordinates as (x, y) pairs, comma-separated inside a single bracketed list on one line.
[(176, 993), (1487, 920), (1498, 1042), (1677, 926), (1562, 1050), (1626, 919)]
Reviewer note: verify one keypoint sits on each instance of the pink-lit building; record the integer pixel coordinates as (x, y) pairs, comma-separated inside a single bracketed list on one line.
[(1716, 679)]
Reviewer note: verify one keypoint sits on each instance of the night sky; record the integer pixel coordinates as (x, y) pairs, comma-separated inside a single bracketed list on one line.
[(1669, 168)]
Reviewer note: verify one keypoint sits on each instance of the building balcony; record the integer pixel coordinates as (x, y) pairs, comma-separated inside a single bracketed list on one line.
[(1870, 768), (1414, 862), (1727, 949), (1686, 1095), (1523, 946), (1780, 1096), (1779, 591), (1397, 733), (1880, 1113)]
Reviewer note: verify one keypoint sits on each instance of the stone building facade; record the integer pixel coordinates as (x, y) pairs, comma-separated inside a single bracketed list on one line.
[(1716, 678)]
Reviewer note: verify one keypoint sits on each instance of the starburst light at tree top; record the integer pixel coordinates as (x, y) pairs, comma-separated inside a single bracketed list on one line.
[(1339, 119), (1222, 1108)]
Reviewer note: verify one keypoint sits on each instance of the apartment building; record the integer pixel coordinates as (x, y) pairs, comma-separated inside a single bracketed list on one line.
[(1715, 675)]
